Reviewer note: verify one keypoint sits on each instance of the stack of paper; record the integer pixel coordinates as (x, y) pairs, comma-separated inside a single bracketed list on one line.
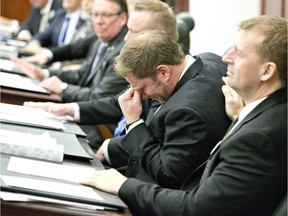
[(30, 145)]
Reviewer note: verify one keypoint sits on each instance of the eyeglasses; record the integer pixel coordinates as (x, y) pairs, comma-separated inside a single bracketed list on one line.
[(104, 15)]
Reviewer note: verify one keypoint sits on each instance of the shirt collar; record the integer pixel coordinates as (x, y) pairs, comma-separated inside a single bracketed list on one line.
[(47, 7), (248, 108), (191, 60)]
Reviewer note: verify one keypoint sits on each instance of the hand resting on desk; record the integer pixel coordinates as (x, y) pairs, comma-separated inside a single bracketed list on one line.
[(107, 180), (40, 58), (29, 69), (54, 108)]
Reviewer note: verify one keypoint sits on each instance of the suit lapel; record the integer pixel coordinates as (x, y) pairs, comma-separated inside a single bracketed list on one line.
[(192, 71), (113, 49), (275, 98)]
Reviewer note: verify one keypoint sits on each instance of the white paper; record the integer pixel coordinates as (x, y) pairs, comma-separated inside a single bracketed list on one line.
[(17, 81), (24, 110), (30, 115), (52, 187), (49, 170), (6, 64)]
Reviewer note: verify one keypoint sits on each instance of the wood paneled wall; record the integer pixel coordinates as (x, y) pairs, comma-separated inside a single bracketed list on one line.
[(15, 9)]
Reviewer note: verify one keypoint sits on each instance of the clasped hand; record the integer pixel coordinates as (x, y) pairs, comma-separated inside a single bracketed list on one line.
[(130, 103)]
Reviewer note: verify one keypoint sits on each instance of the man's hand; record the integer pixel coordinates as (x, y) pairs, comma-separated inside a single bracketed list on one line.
[(100, 154), (52, 84), (54, 108), (40, 58), (233, 102), (107, 180), (130, 103), (33, 48), (29, 69), (24, 35)]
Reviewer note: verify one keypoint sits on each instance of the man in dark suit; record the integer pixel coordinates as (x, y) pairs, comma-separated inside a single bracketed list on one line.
[(56, 57), (246, 173), (183, 129), (93, 80), (107, 110), (66, 23), (41, 15)]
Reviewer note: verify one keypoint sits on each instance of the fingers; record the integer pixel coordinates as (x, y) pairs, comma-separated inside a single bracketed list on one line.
[(107, 180), (43, 105), (100, 154), (225, 80)]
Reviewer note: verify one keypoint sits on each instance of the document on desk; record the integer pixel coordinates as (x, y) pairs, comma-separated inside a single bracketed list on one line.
[(49, 170), (10, 196), (9, 66), (31, 145), (52, 187), (16, 81), (29, 116)]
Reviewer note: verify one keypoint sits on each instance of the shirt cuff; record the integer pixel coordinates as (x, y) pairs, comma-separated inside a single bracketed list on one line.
[(49, 54), (46, 73), (105, 150), (140, 121), (76, 108)]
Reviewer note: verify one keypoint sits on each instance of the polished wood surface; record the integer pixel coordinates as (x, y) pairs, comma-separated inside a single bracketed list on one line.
[(16, 9), (18, 97)]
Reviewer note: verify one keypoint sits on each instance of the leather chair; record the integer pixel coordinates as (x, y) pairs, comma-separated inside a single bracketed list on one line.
[(281, 209), (185, 24)]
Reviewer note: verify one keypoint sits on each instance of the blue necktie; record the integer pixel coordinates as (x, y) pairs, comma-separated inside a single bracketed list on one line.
[(64, 30), (120, 128)]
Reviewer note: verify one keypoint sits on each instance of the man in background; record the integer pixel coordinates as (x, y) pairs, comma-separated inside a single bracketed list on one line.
[(41, 15)]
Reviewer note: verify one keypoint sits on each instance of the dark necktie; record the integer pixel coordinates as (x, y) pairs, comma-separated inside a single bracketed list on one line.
[(99, 55), (64, 31), (230, 128)]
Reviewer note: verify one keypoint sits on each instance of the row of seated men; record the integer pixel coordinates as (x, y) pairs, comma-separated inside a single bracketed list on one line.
[(174, 114), (95, 79)]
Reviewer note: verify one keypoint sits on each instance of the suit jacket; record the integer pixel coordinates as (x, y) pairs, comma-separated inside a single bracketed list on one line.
[(181, 134), (104, 83), (32, 24), (50, 36), (246, 175), (74, 50)]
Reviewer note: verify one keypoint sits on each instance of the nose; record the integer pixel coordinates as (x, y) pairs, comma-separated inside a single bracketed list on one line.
[(228, 56)]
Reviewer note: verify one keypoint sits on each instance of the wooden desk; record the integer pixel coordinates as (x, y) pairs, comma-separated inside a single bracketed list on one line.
[(18, 97), (50, 209)]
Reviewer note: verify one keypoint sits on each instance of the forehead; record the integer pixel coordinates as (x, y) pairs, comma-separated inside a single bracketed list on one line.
[(139, 21), (105, 5), (138, 84), (248, 40)]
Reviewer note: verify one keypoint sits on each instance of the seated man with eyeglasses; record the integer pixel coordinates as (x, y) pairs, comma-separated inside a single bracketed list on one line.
[(96, 78)]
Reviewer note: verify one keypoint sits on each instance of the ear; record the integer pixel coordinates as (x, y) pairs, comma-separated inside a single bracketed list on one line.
[(269, 70), (163, 73), (124, 17)]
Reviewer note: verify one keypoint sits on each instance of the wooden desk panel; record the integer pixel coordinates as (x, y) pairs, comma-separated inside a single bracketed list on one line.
[(18, 97), (49, 209)]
